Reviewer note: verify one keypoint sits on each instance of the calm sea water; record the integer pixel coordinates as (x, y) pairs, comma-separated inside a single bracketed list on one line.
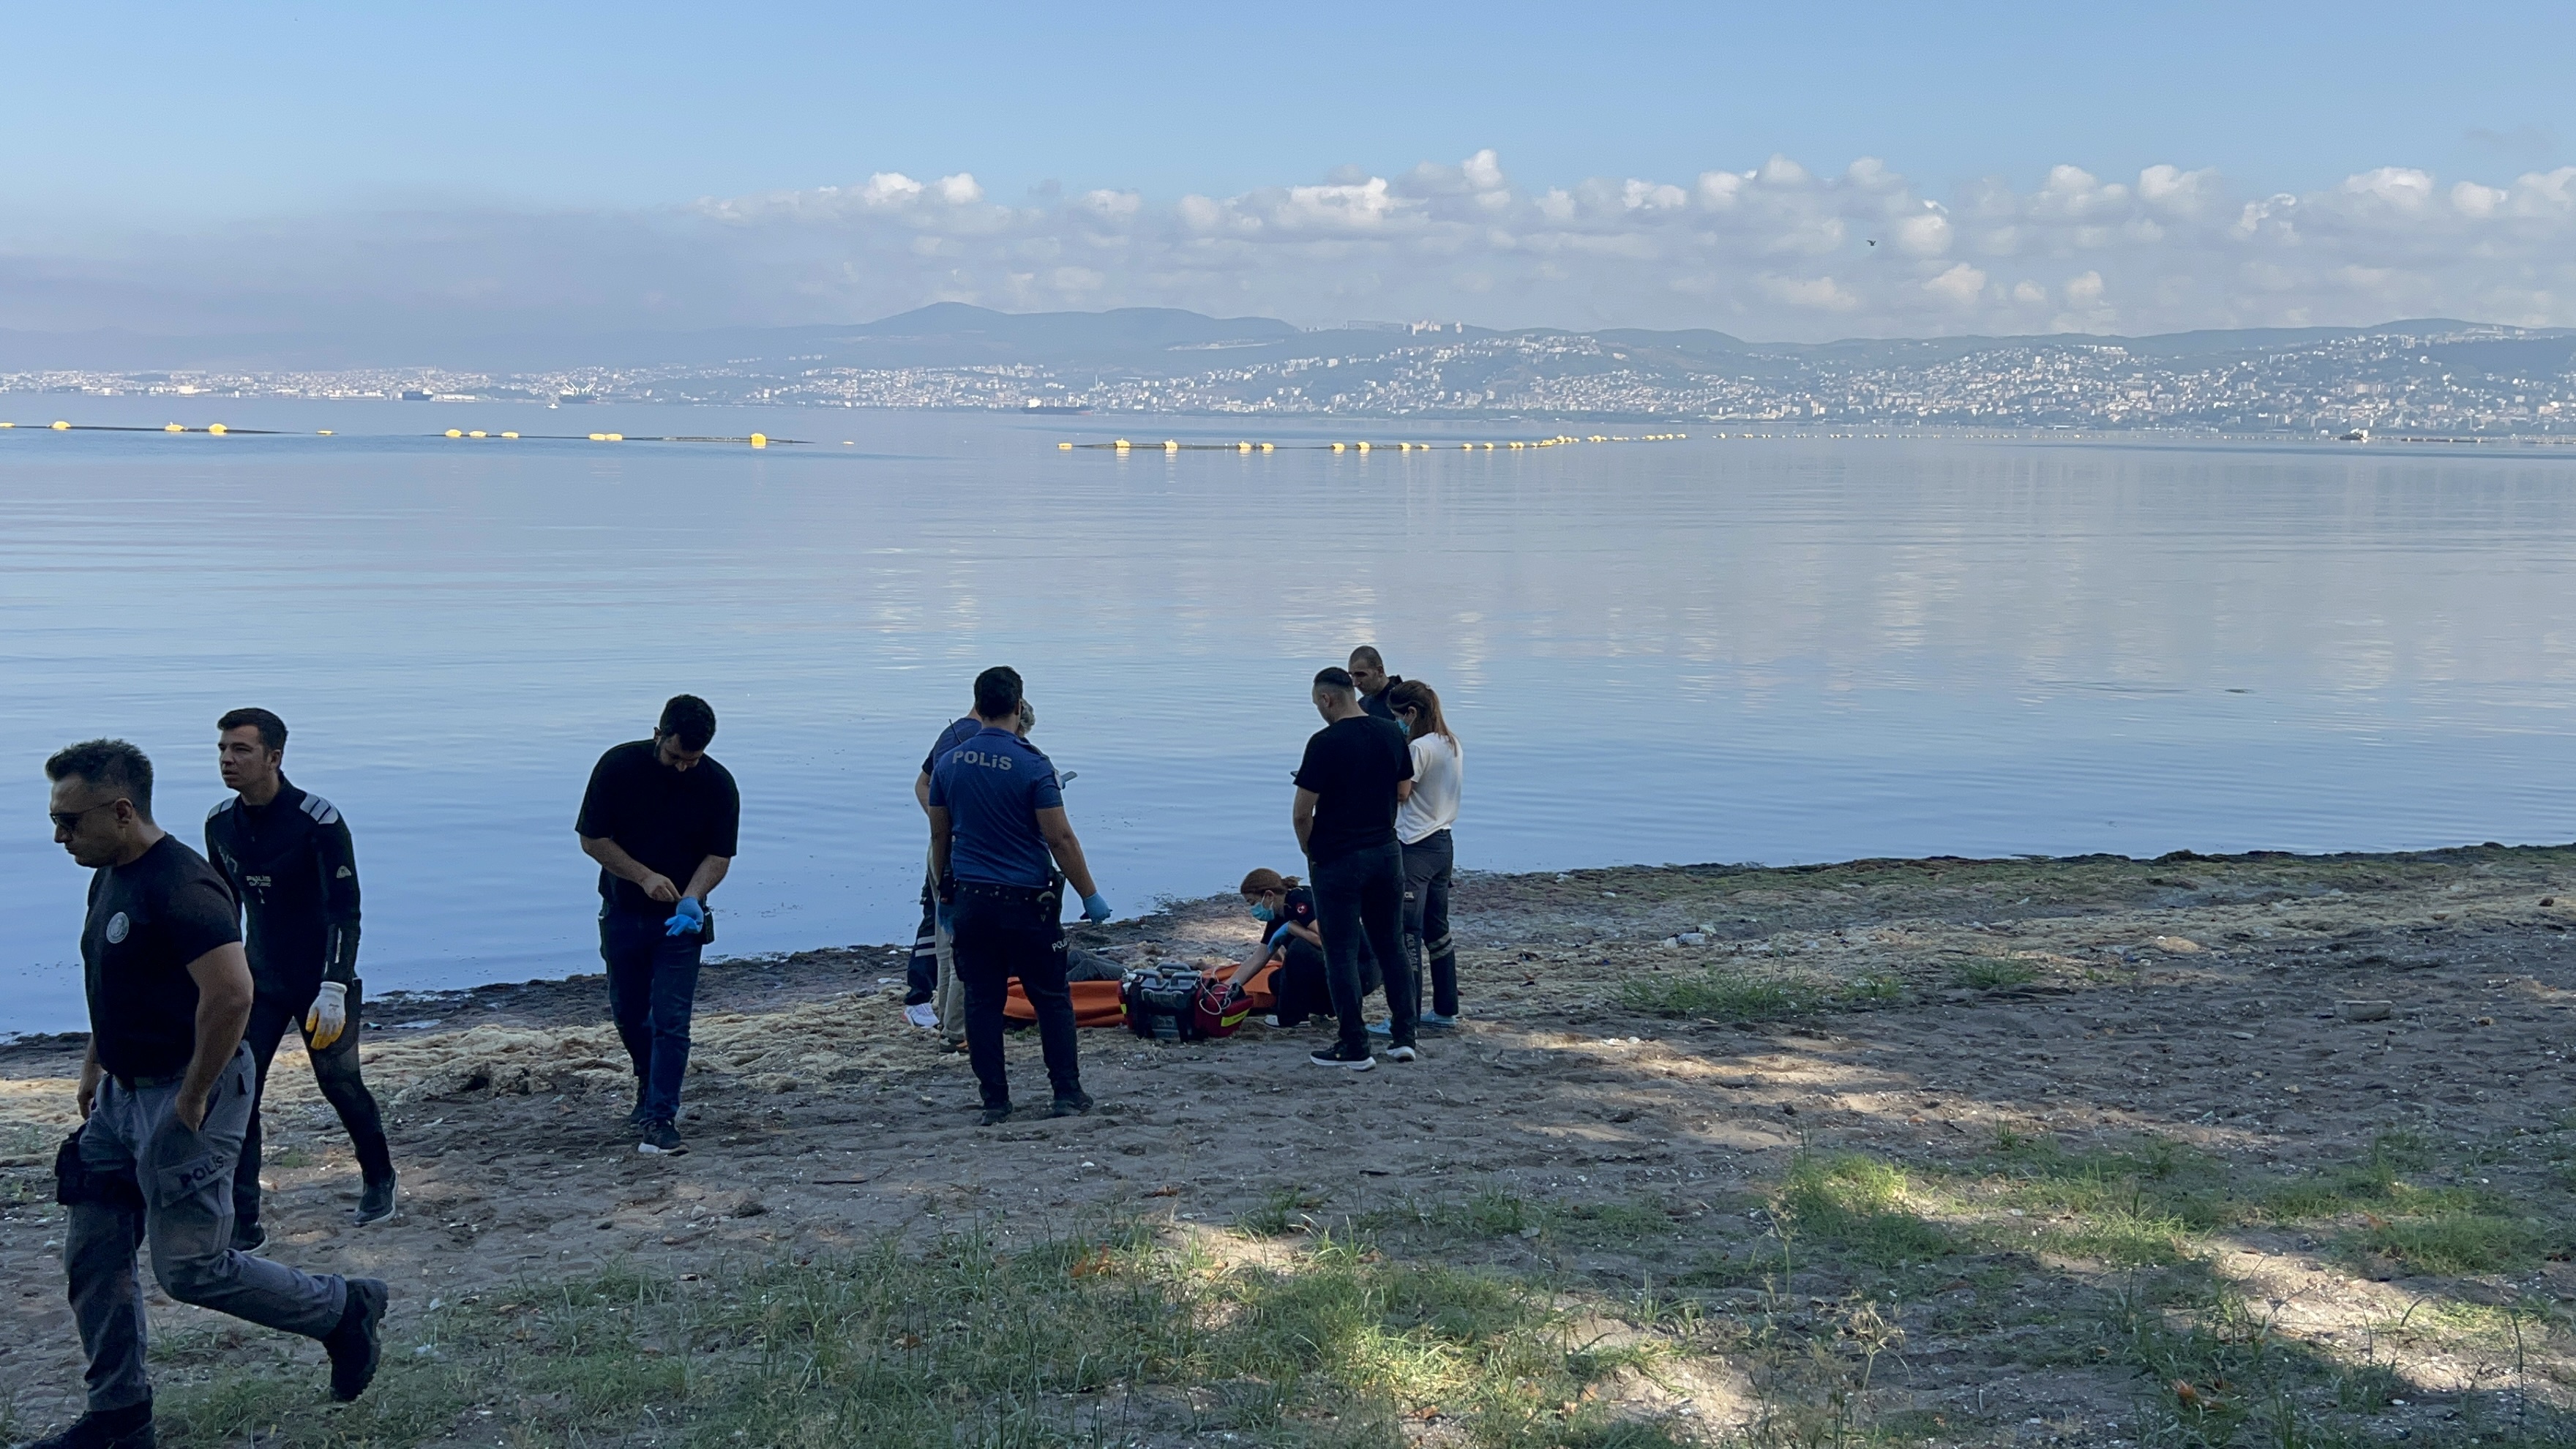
[(1743, 650)]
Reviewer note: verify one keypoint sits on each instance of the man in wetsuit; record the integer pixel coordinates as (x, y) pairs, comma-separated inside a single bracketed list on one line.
[(661, 819), (165, 1095), (286, 854), (998, 836)]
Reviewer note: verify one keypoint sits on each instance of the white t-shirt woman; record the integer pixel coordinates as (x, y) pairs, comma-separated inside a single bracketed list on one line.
[(1438, 772)]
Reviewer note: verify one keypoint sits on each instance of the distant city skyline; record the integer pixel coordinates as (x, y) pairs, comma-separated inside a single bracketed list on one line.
[(1897, 170)]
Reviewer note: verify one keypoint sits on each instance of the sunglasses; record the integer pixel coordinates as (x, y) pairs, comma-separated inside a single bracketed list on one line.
[(70, 820)]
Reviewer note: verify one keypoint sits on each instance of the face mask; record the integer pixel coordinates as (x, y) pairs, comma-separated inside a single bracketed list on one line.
[(1261, 911)]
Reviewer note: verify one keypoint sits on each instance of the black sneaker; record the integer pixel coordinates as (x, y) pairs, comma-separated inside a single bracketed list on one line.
[(115, 1429), (375, 1202), (993, 1116), (249, 1237), (661, 1139), (1073, 1105), (1403, 1051), (358, 1344), (1356, 1059)]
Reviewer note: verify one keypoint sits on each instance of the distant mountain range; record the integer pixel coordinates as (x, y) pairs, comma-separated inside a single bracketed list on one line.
[(2432, 373)]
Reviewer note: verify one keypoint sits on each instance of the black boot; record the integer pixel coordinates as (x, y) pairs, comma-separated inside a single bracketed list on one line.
[(126, 1428)]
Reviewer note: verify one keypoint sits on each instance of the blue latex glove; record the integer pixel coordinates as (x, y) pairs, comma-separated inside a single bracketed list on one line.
[(946, 915), (1095, 908), (688, 918)]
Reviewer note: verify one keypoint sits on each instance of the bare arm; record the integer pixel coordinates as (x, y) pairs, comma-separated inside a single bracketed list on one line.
[(1403, 791), (1304, 816), (1058, 833), (1253, 960), (223, 1009), (709, 874), (921, 790), (613, 859)]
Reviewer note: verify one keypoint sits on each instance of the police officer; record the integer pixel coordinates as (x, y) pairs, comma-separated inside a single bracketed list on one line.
[(288, 858), (165, 1095), (998, 836), (661, 819)]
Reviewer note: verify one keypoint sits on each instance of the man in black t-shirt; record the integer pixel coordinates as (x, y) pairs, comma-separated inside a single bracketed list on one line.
[(661, 819), (165, 1095), (287, 855), (1345, 818)]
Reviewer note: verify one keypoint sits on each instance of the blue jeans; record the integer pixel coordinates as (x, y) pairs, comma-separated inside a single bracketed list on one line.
[(652, 988), (173, 1189), (1360, 897)]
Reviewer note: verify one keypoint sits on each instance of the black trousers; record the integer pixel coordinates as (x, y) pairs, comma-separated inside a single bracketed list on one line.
[(1299, 986), (1427, 866), (1359, 897), (921, 972), (999, 932), (335, 1070)]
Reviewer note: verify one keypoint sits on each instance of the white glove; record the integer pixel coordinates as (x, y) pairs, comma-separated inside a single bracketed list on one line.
[(329, 1015)]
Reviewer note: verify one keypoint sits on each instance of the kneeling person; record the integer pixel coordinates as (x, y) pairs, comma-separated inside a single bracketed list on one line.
[(289, 860), (998, 832)]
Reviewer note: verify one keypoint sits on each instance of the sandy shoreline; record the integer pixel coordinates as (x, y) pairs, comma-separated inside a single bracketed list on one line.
[(1929, 1014)]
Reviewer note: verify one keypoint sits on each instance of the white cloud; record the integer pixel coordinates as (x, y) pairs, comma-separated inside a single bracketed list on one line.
[(890, 188), (1959, 286), (1767, 250), (1927, 235)]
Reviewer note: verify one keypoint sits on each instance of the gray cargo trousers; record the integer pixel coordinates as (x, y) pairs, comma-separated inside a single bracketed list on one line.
[(154, 1181)]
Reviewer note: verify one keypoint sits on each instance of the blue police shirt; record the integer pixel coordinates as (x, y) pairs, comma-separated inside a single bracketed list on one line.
[(993, 785)]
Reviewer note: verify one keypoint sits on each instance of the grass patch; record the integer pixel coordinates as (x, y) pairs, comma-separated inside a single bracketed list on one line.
[(1993, 973), (1726, 994), (1494, 1213), (2450, 1242), (1098, 1338), (1858, 1204)]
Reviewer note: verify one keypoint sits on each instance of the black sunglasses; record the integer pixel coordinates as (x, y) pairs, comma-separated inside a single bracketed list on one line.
[(70, 820)]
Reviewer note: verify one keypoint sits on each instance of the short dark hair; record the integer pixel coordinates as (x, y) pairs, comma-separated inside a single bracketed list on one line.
[(106, 765), (690, 720), (1367, 654), (272, 730), (1335, 679), (997, 692)]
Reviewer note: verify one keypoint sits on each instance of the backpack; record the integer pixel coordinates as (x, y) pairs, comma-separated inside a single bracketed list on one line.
[(1159, 1004)]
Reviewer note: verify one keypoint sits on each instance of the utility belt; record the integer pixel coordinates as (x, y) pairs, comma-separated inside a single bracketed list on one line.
[(148, 1083), (1043, 903)]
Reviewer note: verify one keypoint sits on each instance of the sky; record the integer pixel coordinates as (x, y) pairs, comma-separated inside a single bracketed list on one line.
[(1791, 172)]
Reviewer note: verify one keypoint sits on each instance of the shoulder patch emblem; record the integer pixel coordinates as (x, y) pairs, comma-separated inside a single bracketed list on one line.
[(343, 873), (117, 928), (323, 811)]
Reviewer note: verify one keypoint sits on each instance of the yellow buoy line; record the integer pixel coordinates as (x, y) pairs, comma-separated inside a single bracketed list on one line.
[(216, 429), (1173, 445), (757, 440)]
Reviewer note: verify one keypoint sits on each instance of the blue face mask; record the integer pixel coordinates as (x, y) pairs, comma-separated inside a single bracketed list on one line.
[(1261, 911)]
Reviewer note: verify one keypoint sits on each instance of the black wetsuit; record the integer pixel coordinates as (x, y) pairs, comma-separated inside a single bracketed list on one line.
[(292, 866)]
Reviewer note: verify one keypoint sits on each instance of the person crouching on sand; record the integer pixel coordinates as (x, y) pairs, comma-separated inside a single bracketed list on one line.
[(1286, 911)]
